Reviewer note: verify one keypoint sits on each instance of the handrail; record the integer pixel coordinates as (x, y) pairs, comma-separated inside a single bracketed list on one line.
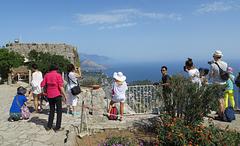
[(143, 99)]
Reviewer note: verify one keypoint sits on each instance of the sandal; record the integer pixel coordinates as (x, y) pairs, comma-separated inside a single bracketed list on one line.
[(10, 120), (121, 118)]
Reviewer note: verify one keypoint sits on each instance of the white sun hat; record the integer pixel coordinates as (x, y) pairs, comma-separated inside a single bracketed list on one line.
[(218, 53), (119, 76)]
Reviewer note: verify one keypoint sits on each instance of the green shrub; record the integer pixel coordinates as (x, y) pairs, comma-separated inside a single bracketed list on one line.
[(189, 101), (44, 60), (8, 60)]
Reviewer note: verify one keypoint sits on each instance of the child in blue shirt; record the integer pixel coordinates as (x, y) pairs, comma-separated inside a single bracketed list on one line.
[(229, 92), (17, 103)]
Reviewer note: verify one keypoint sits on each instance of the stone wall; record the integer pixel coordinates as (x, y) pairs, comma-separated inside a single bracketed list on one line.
[(68, 51)]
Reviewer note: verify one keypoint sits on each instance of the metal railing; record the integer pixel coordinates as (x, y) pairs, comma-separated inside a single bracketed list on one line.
[(143, 99)]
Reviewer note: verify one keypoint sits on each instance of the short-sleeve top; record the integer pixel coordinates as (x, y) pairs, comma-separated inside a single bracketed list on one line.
[(53, 81), (36, 81), (230, 82), (215, 73), (195, 76), (119, 91), (166, 79), (15, 108), (71, 80)]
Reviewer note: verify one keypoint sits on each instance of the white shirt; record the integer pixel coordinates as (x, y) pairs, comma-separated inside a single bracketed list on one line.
[(119, 91), (195, 76), (214, 74), (36, 81), (71, 80)]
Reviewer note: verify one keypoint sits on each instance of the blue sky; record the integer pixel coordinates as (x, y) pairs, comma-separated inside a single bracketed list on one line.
[(129, 30)]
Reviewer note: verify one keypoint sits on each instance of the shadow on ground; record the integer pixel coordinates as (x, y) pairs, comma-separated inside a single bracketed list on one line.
[(38, 121), (148, 127)]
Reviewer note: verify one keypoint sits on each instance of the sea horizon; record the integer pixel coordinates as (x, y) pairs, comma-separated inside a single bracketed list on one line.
[(151, 70)]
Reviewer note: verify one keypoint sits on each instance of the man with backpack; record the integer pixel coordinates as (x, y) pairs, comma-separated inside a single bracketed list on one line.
[(217, 67)]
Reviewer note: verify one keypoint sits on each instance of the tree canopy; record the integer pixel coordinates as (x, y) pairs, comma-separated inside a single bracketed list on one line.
[(9, 59), (44, 60)]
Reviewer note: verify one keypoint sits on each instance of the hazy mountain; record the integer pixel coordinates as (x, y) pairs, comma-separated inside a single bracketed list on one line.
[(95, 58), (91, 65)]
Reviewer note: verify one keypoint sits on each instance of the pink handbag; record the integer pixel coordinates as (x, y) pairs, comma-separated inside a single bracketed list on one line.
[(24, 110)]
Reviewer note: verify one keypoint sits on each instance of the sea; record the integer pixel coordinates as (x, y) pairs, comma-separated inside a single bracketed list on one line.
[(151, 70)]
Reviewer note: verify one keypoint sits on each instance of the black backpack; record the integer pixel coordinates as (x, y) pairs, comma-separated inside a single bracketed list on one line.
[(224, 75), (229, 114)]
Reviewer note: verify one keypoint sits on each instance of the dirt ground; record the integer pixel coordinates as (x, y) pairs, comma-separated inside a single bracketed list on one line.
[(136, 135)]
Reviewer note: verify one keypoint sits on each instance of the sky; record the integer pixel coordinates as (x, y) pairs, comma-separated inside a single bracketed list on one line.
[(128, 30)]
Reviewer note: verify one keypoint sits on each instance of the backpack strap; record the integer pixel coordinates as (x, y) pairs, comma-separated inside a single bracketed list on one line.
[(218, 66)]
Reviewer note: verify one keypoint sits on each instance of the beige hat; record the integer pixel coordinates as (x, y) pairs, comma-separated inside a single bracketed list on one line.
[(119, 76), (218, 53)]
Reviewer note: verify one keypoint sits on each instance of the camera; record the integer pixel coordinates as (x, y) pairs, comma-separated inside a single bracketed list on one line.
[(203, 71)]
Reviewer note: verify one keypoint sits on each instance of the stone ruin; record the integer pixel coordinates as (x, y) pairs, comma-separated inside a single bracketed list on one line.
[(68, 51)]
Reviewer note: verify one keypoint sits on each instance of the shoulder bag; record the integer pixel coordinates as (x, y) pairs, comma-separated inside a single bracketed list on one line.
[(76, 89)]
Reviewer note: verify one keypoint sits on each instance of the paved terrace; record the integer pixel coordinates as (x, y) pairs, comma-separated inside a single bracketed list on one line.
[(32, 132)]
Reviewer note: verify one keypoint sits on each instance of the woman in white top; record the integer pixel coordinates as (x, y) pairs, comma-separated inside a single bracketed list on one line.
[(36, 88), (119, 89), (71, 82), (192, 72)]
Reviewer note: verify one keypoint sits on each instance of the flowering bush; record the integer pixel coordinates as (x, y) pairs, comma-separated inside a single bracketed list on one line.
[(173, 131), (181, 124)]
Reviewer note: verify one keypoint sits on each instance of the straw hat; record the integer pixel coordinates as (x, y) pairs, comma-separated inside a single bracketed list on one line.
[(119, 76), (218, 53)]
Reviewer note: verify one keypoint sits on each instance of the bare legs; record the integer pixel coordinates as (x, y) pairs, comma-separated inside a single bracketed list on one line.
[(36, 98), (121, 110)]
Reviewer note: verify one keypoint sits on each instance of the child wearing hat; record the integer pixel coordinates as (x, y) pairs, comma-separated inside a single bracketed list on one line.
[(229, 92), (119, 89), (17, 103)]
